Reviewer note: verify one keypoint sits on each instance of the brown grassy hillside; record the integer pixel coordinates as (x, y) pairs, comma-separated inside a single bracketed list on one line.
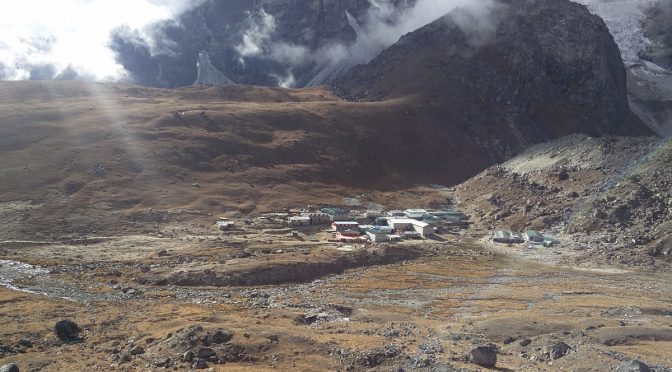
[(82, 157)]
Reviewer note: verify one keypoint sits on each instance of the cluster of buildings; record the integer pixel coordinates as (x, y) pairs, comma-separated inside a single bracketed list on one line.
[(531, 236), (309, 218), (374, 226)]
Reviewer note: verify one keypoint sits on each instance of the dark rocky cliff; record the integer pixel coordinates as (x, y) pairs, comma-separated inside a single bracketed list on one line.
[(547, 68)]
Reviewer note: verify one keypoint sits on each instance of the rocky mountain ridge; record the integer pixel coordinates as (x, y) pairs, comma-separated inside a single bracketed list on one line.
[(237, 35), (547, 69)]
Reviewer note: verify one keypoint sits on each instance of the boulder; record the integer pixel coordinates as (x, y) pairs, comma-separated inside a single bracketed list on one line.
[(221, 336), (563, 175), (205, 352), (67, 330), (26, 342), (137, 350), (556, 350), (162, 253), (188, 356), (11, 367), (161, 362), (199, 364), (599, 214), (484, 355), (124, 358), (633, 366)]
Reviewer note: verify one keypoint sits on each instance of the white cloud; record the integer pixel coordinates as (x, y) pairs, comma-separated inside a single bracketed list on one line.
[(256, 37), (72, 32), (381, 27)]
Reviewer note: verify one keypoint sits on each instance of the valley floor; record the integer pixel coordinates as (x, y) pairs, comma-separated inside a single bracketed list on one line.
[(424, 310)]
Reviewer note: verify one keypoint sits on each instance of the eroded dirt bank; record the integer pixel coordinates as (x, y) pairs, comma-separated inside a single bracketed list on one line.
[(296, 267)]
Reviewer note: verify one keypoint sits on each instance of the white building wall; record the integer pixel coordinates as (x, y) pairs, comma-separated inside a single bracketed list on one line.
[(377, 238)]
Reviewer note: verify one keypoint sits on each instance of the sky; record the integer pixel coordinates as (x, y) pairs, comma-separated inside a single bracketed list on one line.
[(50, 35), (40, 38)]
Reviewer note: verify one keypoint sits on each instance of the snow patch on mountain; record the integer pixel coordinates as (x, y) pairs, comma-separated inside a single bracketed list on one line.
[(209, 74)]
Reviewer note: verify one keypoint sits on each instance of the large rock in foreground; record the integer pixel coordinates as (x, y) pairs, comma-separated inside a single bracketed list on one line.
[(67, 330), (485, 356)]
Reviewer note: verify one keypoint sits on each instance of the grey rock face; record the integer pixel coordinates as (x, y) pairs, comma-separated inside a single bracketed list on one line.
[(633, 366), (659, 30)]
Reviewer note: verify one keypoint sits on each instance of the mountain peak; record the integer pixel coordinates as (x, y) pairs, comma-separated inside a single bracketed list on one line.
[(547, 68)]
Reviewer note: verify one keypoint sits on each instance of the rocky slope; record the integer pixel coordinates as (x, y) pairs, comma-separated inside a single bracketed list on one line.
[(635, 214), (606, 198)]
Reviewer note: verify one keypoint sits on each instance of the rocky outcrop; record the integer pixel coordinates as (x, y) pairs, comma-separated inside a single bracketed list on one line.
[(545, 69)]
